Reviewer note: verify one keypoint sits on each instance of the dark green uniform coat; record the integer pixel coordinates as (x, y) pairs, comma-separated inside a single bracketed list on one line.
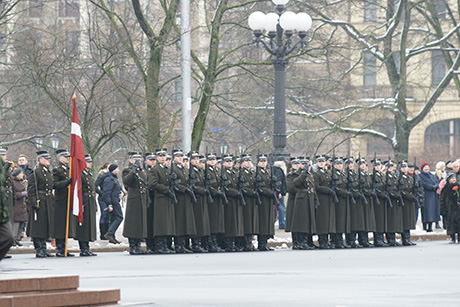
[(356, 211), (163, 211), (325, 214), (369, 212), (135, 225), (61, 193), (185, 219), (150, 199), (381, 209), (395, 218), (200, 209), (342, 209), (216, 209), (234, 226), (251, 210), (87, 230), (266, 210), (406, 188), (43, 226), (306, 200), (292, 190)]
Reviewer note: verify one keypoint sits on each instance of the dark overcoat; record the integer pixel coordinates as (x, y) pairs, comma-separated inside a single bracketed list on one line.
[(251, 210), (450, 208), (266, 210), (135, 183), (86, 231), (325, 214), (40, 188), (342, 208), (369, 208), (430, 212), (406, 188), (395, 218), (234, 226), (163, 211), (216, 209), (292, 190), (20, 202), (185, 219), (306, 200), (61, 212), (381, 209), (200, 209), (357, 222)]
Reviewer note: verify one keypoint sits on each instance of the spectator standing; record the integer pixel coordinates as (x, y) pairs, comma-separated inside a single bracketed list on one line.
[(104, 219), (20, 205), (112, 196), (430, 213), (281, 207), (24, 164), (449, 205)]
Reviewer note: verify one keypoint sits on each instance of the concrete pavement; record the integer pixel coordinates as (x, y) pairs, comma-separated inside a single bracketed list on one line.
[(423, 275)]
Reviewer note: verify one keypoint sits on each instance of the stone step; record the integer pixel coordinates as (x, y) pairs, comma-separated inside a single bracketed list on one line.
[(60, 298), (18, 283)]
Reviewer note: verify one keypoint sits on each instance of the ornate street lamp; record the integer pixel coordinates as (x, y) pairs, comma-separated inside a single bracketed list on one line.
[(38, 142), (223, 148), (241, 148), (272, 26), (54, 142)]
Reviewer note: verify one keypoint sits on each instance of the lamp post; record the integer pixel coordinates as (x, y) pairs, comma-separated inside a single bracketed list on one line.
[(275, 25), (54, 142), (39, 142), (223, 148), (241, 148)]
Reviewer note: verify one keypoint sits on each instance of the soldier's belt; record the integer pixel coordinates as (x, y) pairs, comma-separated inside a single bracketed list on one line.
[(245, 184), (92, 194), (137, 190), (47, 193), (211, 181)]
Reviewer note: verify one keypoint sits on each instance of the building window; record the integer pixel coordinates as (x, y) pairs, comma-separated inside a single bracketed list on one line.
[(69, 8), (35, 8), (440, 7), (442, 139), (438, 67), (370, 11), (370, 69), (73, 43)]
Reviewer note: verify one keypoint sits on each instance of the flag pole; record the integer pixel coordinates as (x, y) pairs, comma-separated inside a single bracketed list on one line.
[(74, 97)]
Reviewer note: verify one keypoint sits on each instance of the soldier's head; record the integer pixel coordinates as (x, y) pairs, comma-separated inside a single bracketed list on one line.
[(295, 163), (63, 156), (320, 161), (362, 165), (404, 167), (22, 160), (338, 164), (195, 158), (89, 161), (410, 168), (161, 154), (150, 159), (211, 159), (134, 156), (3, 151), (350, 163), (43, 158), (178, 156), (202, 162), (262, 161), (246, 161), (228, 161)]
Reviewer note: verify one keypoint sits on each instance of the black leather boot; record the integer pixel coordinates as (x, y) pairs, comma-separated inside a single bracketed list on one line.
[(339, 241), (196, 246), (84, 249), (60, 249), (216, 243), (262, 245), (43, 245), (429, 227), (322, 241), (295, 241), (39, 253), (160, 245), (303, 241), (248, 243), (352, 240), (332, 240), (150, 243), (408, 238), (310, 243), (103, 228)]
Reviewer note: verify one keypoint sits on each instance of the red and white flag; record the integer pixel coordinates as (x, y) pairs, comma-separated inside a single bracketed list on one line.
[(77, 154)]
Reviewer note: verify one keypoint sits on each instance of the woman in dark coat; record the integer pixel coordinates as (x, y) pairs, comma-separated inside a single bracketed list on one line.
[(20, 214), (430, 213), (450, 206)]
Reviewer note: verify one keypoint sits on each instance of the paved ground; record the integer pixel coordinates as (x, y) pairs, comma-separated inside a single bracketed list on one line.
[(424, 275)]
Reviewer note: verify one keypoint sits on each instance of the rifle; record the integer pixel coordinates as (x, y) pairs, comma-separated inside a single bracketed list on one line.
[(388, 184), (335, 181), (206, 175), (374, 181), (400, 185), (258, 184), (37, 206), (223, 183), (361, 182), (242, 202), (349, 181), (172, 186), (191, 181)]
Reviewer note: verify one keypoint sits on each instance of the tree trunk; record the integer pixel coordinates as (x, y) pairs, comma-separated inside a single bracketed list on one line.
[(152, 97)]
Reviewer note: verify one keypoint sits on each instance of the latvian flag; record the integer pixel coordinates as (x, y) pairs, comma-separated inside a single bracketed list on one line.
[(78, 164)]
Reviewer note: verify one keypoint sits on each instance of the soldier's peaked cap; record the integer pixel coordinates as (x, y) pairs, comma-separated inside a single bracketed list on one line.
[(149, 156), (320, 158), (228, 158), (262, 157), (246, 157), (134, 155), (43, 154), (212, 156), (62, 153), (88, 158), (161, 151), (3, 150), (178, 152), (194, 154), (376, 162)]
